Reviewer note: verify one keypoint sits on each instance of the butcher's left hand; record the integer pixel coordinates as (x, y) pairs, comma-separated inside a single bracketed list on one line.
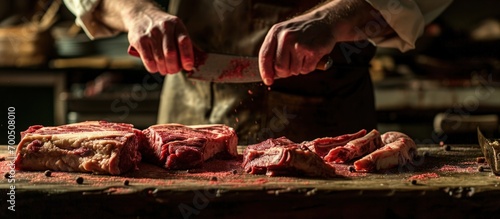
[(295, 47)]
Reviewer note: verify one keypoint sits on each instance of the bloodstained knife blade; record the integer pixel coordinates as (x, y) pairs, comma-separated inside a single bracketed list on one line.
[(224, 68)]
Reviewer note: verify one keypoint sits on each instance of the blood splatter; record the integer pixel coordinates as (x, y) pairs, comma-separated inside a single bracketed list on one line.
[(424, 176), (457, 169), (200, 57), (235, 69)]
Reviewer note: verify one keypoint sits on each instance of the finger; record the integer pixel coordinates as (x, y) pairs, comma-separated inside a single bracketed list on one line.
[(185, 48), (296, 60), (282, 62), (309, 64), (156, 45), (266, 58), (170, 51), (145, 51)]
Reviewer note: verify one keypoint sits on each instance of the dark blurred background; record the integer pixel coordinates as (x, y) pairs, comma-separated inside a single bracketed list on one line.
[(440, 91)]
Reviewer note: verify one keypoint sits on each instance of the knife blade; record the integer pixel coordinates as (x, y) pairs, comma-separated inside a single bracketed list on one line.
[(491, 152), (225, 68)]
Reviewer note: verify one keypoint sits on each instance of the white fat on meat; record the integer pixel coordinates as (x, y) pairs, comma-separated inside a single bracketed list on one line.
[(100, 152)]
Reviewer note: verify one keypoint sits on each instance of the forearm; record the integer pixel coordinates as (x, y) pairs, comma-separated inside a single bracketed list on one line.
[(116, 14), (352, 20)]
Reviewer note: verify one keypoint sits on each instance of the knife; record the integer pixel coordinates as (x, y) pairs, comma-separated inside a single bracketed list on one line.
[(491, 152), (225, 68)]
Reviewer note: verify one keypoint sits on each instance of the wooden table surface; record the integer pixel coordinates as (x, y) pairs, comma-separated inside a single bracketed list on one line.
[(441, 184)]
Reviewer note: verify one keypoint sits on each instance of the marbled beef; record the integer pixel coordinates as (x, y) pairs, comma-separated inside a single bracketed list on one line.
[(176, 146), (93, 146), (282, 157)]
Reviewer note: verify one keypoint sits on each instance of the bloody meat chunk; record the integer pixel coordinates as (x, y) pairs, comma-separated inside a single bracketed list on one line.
[(281, 156), (398, 150), (93, 146), (322, 146), (176, 146), (356, 148)]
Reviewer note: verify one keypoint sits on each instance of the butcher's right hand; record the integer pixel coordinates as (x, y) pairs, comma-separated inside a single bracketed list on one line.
[(161, 40)]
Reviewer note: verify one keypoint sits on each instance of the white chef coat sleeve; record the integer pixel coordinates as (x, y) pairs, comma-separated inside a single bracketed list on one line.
[(407, 18), (83, 9)]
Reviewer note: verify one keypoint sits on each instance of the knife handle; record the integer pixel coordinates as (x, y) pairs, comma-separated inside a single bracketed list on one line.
[(324, 63)]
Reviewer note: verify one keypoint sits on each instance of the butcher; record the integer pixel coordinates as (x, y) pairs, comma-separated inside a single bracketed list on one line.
[(289, 37)]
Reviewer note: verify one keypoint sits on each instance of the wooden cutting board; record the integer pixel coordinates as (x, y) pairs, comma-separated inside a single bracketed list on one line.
[(441, 181)]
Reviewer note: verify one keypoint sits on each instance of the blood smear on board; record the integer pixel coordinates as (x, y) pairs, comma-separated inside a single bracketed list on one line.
[(424, 176), (457, 169)]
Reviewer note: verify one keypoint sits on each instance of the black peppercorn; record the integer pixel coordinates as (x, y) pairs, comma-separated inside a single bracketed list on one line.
[(79, 180), (126, 182), (480, 168), (47, 173), (352, 169)]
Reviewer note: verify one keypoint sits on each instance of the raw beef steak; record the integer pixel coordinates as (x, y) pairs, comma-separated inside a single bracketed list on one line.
[(176, 146), (281, 156), (93, 146)]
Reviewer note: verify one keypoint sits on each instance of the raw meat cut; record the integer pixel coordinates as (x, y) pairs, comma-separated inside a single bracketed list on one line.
[(322, 146), (176, 146), (281, 156), (355, 148), (399, 150), (93, 146)]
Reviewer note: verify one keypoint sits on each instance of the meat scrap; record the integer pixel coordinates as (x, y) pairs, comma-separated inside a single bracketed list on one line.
[(176, 146), (398, 150), (282, 157), (322, 146), (375, 152), (355, 148), (93, 146)]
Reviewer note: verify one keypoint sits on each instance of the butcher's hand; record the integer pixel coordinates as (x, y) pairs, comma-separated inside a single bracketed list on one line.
[(161, 40), (294, 47)]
